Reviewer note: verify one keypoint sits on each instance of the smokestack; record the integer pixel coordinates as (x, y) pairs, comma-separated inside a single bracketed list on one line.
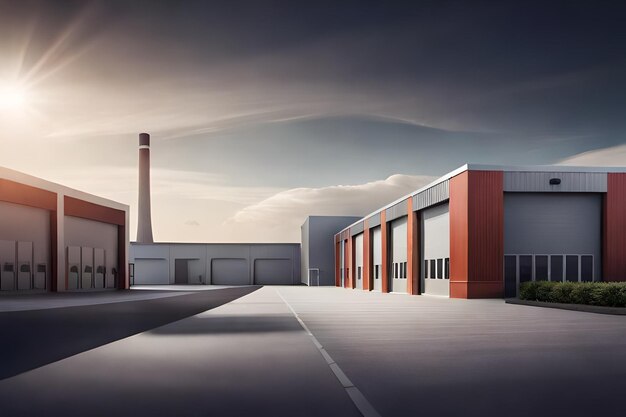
[(144, 218)]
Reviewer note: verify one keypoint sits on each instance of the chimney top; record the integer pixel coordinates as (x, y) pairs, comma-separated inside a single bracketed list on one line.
[(144, 139)]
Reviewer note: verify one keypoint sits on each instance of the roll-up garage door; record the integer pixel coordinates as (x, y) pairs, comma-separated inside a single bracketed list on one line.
[(377, 259), (92, 254), (273, 271), (151, 271), (435, 270), (25, 248), (551, 236), (342, 262), (397, 270), (230, 271)]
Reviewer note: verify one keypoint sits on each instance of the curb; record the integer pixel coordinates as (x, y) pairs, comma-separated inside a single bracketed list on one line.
[(618, 311)]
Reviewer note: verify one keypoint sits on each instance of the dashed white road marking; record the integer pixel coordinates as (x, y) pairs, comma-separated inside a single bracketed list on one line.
[(357, 397)]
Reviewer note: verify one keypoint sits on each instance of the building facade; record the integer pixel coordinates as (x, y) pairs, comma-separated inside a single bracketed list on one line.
[(317, 256), (215, 263), (480, 231), (54, 238)]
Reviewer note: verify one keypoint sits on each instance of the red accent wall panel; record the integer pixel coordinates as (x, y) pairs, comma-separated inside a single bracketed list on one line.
[(350, 261), (458, 235), (337, 261), (367, 258), (14, 192), (413, 264), (476, 234), (345, 263), (614, 229), (79, 208), (384, 237)]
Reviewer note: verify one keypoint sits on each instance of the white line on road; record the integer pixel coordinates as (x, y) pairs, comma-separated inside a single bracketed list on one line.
[(357, 397)]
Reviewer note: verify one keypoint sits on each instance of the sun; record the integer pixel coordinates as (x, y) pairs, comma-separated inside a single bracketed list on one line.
[(13, 97)]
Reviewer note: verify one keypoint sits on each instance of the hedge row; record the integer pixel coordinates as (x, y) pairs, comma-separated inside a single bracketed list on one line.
[(610, 294)]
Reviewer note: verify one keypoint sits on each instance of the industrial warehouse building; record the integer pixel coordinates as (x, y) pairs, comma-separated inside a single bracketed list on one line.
[(54, 238), (479, 231), (215, 263), (317, 255)]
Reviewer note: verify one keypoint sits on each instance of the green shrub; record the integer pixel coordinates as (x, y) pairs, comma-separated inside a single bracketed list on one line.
[(610, 294), (528, 291)]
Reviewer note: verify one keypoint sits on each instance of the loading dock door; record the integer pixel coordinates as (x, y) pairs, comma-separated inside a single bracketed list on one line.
[(358, 261), (230, 271), (397, 271), (273, 272), (550, 234), (435, 250), (147, 271)]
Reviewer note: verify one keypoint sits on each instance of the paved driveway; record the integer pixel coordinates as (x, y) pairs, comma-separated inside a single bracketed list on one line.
[(420, 355), (408, 356), (249, 357)]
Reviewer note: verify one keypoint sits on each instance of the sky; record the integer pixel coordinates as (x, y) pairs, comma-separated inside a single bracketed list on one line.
[(264, 112)]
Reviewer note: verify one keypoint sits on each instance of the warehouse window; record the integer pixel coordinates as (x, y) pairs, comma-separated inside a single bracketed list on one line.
[(405, 273), (395, 270), (376, 271), (440, 268), (541, 267), (447, 265), (571, 268), (358, 273), (432, 268), (426, 268), (525, 268), (556, 268), (586, 268)]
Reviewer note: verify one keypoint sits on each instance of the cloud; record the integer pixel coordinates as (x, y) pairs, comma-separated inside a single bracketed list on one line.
[(192, 223), (614, 156), (284, 212)]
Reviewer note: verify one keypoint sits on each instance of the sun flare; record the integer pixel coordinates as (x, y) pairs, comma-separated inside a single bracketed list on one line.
[(13, 97)]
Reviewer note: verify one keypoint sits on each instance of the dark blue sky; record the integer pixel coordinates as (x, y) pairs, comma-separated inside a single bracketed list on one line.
[(265, 96)]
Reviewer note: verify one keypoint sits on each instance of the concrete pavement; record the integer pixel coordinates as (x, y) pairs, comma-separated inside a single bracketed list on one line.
[(247, 358), (430, 356), (408, 356)]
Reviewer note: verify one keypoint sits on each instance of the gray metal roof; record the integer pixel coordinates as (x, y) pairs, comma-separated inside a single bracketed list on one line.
[(484, 167)]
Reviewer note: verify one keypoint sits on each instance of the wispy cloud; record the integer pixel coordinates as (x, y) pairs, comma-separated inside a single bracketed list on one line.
[(614, 156), (284, 212)]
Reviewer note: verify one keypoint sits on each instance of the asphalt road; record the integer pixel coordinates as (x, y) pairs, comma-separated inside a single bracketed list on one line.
[(34, 338), (249, 357)]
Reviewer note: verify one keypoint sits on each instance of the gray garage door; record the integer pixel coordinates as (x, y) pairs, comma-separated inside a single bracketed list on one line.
[(230, 272), (358, 261), (397, 271), (273, 272), (435, 271), (551, 236), (151, 271)]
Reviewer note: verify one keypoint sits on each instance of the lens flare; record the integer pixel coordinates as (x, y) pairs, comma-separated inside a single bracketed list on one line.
[(12, 97)]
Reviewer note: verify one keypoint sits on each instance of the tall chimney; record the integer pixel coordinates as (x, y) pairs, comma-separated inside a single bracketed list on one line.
[(144, 219)]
